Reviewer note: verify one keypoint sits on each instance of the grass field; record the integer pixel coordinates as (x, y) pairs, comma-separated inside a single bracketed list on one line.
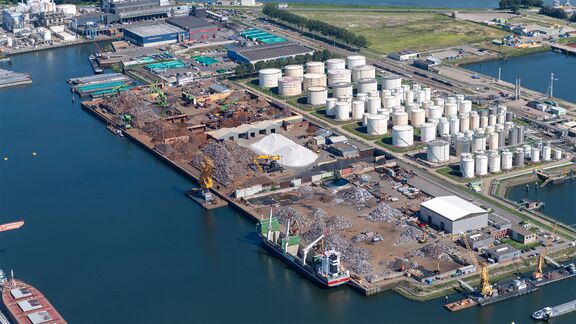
[(394, 31)]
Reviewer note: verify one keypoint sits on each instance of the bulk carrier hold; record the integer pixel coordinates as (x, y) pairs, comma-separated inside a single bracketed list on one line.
[(324, 270)]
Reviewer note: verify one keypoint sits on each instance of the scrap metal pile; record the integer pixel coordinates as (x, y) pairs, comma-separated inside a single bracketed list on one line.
[(132, 103), (384, 213), (434, 251), (231, 161), (158, 128), (285, 213), (410, 235), (355, 196)]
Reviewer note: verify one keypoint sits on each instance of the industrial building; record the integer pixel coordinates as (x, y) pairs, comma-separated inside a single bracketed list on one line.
[(137, 10), (478, 241), (453, 214), (404, 55), (195, 28), (268, 52), (153, 35), (502, 253), (522, 235)]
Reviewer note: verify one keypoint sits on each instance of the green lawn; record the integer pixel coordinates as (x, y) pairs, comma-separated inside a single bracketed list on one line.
[(395, 31), (359, 130), (518, 245)]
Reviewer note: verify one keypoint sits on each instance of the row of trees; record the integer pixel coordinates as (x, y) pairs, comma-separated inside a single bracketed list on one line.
[(245, 69), (315, 26), (554, 12), (515, 5)]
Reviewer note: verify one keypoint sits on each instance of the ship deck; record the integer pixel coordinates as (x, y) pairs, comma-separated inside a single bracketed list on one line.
[(26, 304)]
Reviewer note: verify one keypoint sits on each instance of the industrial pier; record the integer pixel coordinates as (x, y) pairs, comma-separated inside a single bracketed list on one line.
[(12, 79)]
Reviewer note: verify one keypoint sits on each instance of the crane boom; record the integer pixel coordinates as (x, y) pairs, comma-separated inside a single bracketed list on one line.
[(307, 249), (540, 264), (485, 286)]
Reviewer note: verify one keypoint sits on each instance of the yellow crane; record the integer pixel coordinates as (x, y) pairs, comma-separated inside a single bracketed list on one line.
[(268, 158), (206, 170), (485, 286), (424, 238), (538, 272)]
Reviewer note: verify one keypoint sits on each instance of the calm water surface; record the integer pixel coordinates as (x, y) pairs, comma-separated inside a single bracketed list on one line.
[(110, 237)]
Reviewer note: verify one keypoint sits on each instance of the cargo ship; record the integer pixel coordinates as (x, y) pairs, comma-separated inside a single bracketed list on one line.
[(564, 272), (25, 304), (324, 270), (11, 226), (547, 313), (516, 288)]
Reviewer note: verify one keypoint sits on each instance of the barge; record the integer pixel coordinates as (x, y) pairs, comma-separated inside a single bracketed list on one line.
[(565, 272), (517, 287), (547, 313)]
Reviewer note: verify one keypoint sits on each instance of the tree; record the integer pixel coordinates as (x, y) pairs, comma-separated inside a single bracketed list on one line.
[(573, 18), (554, 12)]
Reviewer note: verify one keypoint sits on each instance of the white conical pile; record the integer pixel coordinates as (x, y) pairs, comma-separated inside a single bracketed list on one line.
[(291, 154)]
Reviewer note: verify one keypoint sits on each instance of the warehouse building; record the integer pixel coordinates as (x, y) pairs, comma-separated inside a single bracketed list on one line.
[(502, 253), (153, 35), (196, 28), (267, 52), (478, 241), (522, 235), (453, 214)]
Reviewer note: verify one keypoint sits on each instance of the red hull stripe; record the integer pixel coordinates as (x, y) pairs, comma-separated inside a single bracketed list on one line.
[(333, 282)]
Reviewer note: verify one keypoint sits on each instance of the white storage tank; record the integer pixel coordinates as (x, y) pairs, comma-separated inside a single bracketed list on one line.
[(362, 96), (357, 109), (354, 61), (474, 120), (367, 85), (295, 71), (420, 96), (289, 86), (428, 93), (557, 154), (467, 165), (438, 151), (483, 121), (439, 101), (342, 89), (268, 78), (411, 106), (478, 142), (464, 122), (389, 102), (317, 96), (408, 97), (450, 109), (342, 111), (314, 80), (462, 145), (434, 112), (331, 106), (454, 124), (443, 126), (535, 155), (338, 76), (363, 72), (546, 153), (427, 132), (402, 136), (377, 124), (390, 82), (335, 64), (493, 141), (481, 162), (506, 160), (373, 105), (365, 119), (464, 106), (373, 94), (494, 162), (400, 118), (417, 117), (501, 118), (315, 67), (492, 120)]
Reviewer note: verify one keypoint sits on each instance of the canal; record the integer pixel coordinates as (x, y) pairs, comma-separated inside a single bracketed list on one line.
[(111, 238)]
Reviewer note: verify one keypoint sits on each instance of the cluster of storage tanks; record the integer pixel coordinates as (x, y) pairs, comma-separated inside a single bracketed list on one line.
[(480, 163)]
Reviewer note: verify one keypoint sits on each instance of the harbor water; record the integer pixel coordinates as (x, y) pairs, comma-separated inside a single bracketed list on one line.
[(473, 4), (534, 71), (111, 238)]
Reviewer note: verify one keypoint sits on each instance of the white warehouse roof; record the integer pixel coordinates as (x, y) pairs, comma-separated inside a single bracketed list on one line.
[(452, 207)]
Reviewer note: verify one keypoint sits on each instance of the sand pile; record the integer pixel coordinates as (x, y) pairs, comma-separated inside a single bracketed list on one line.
[(291, 154)]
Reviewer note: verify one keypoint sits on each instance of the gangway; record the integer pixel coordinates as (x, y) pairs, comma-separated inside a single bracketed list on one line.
[(551, 261), (465, 285)]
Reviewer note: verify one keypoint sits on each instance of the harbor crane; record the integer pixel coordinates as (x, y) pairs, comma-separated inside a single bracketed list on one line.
[(485, 286), (307, 249), (206, 171), (538, 272)]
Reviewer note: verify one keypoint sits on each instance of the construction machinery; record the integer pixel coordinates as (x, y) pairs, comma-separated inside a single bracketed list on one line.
[(307, 249), (161, 99), (540, 264), (485, 286), (206, 181), (424, 238), (266, 163)]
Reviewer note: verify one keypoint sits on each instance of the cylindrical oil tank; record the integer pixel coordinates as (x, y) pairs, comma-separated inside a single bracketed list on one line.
[(493, 141), (443, 126), (373, 105), (389, 102), (289, 86), (488, 129), (478, 142), (341, 89), (462, 145), (535, 155), (377, 124), (367, 85), (315, 67), (494, 162), (374, 94), (501, 138), (390, 82), (342, 110), (519, 157), (354, 61), (450, 109), (513, 136), (420, 96), (417, 117), (492, 120), (357, 109), (362, 96), (438, 151), (557, 154), (338, 76), (451, 100), (408, 97), (363, 72), (331, 106), (434, 112), (464, 106), (295, 71), (439, 101), (506, 160), (335, 64), (527, 151), (454, 124), (510, 115), (483, 121), (500, 118), (411, 106), (464, 122), (416, 87), (346, 98), (400, 118), (268, 78), (428, 93), (520, 134), (427, 132), (481, 162), (317, 96), (314, 80), (493, 110), (402, 135), (474, 120), (507, 127), (546, 153), (467, 165), (385, 93)]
